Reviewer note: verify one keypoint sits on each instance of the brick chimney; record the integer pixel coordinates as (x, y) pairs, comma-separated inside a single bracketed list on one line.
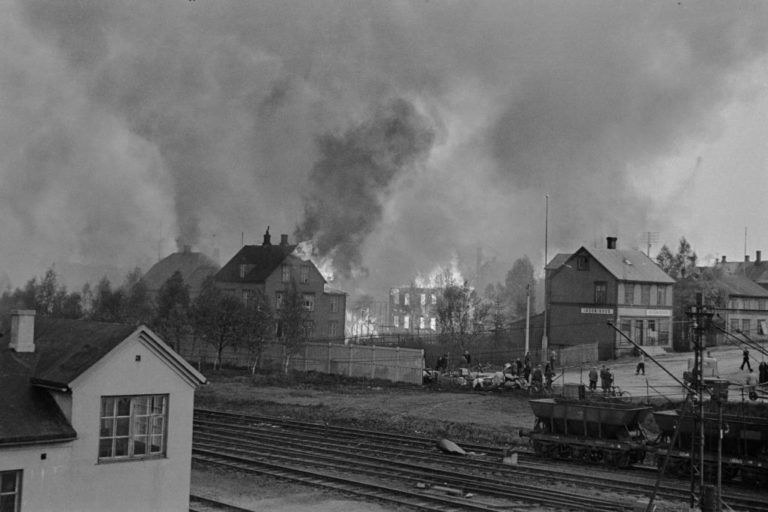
[(757, 256), (283, 239), (746, 258), (22, 330), (267, 238), (723, 258), (611, 242)]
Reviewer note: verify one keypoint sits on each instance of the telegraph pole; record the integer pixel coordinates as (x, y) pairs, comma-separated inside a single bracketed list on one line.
[(701, 316), (544, 340)]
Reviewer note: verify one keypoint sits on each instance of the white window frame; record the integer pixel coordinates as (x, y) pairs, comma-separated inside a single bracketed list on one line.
[(334, 303), (304, 275), (308, 301), (285, 273), (130, 423), (16, 475)]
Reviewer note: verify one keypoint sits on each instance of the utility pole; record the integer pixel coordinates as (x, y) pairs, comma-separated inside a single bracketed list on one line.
[(527, 317), (701, 316), (651, 237), (544, 340)]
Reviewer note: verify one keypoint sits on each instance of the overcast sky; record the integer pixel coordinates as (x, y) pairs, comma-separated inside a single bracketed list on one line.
[(396, 135)]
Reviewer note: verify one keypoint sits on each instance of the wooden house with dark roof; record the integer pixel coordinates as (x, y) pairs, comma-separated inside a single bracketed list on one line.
[(84, 417), (590, 287), (269, 269)]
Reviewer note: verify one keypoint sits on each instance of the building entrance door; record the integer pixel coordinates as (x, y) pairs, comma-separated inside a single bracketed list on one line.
[(639, 332)]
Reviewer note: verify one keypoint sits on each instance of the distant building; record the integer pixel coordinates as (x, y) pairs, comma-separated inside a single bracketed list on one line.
[(84, 418), (756, 271), (195, 267), (413, 310), (270, 268), (590, 287)]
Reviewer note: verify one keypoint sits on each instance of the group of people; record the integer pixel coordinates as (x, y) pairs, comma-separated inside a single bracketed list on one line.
[(606, 378), (532, 374)]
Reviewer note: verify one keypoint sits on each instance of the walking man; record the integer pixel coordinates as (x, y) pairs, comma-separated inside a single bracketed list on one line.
[(640, 365), (745, 360)]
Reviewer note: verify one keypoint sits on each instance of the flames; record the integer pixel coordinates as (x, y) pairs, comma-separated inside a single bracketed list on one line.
[(306, 251), (441, 276)]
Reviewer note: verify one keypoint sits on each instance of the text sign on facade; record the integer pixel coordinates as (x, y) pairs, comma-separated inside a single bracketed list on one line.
[(658, 312), (596, 311)]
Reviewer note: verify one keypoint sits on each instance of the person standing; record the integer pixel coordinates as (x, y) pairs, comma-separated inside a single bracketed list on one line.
[(549, 376), (640, 365), (552, 358), (467, 358), (593, 379), (537, 378), (745, 360), (519, 365), (604, 379), (528, 359), (527, 372)]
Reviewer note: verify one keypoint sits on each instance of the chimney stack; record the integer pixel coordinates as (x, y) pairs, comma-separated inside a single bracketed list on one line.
[(723, 258), (746, 258), (22, 330), (283, 239), (757, 256), (267, 238), (611, 242)]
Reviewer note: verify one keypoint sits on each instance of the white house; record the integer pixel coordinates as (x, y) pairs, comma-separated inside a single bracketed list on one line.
[(93, 417)]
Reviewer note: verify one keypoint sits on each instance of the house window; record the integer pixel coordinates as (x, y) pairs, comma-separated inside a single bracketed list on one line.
[(242, 271), (133, 427), (601, 292), (304, 274), (334, 304), (433, 323), (10, 491), (396, 320), (308, 301), (661, 295), (629, 293), (662, 338), (247, 296), (309, 328), (645, 295), (421, 322), (652, 335), (406, 322), (745, 325), (333, 328), (734, 324), (279, 300), (582, 263), (406, 299), (285, 275), (626, 327), (423, 299), (434, 298)]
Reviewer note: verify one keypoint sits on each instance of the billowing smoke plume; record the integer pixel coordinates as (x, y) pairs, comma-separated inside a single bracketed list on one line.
[(125, 126), (353, 178)]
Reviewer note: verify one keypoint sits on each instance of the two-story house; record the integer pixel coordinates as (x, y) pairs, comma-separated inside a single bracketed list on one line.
[(270, 269), (587, 289), (93, 416)]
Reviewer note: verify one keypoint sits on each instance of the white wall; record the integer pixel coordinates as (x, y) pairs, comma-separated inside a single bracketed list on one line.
[(72, 479)]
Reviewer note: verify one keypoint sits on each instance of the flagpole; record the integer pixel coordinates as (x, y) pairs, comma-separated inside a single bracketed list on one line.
[(544, 340)]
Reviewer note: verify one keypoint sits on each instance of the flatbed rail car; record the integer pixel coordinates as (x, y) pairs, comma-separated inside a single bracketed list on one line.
[(598, 432), (744, 446)]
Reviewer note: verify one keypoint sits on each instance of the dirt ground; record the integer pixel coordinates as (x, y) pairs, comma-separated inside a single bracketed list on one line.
[(483, 417)]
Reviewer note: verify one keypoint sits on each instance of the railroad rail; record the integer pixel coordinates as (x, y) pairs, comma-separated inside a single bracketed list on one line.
[(203, 504), (482, 473)]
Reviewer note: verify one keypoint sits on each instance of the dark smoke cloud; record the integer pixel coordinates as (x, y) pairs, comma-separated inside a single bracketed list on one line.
[(128, 125), (353, 177)]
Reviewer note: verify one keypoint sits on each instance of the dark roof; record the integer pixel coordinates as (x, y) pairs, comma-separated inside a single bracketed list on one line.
[(558, 261), (69, 347), (194, 268), (737, 285), (262, 260), (757, 271), (629, 265)]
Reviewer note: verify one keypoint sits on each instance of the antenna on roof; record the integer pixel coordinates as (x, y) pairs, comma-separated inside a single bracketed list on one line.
[(651, 237)]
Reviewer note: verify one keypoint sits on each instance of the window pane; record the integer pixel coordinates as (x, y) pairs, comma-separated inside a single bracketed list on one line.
[(105, 447), (141, 404), (121, 446), (140, 426), (123, 425), (157, 444), (157, 425), (107, 428), (123, 406), (140, 445), (107, 407), (158, 405), (8, 482), (8, 503)]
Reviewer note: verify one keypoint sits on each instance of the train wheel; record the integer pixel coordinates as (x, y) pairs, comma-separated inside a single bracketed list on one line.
[(678, 467), (564, 451), (596, 456), (538, 447), (579, 453)]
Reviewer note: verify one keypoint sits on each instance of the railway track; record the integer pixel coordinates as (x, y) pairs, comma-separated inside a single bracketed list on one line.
[(410, 455), (203, 504)]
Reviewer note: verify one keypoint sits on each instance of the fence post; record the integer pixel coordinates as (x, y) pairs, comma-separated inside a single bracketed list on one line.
[(373, 361), (349, 362), (397, 364), (306, 348), (328, 359)]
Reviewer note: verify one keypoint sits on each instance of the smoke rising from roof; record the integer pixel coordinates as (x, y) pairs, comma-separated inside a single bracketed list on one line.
[(128, 124)]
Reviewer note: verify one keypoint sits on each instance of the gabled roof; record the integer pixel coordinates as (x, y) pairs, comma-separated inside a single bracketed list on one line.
[(194, 268), (28, 414), (64, 350), (624, 265), (558, 261), (261, 261), (735, 285), (754, 270)]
